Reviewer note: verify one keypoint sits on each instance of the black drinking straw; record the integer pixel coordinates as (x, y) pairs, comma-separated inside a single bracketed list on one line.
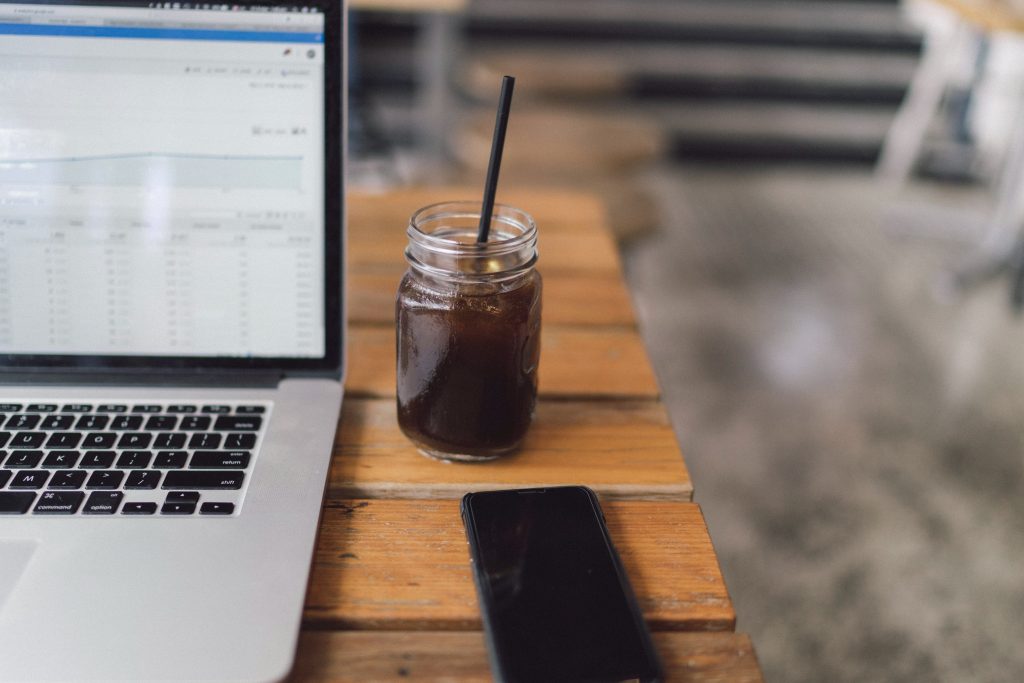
[(494, 166)]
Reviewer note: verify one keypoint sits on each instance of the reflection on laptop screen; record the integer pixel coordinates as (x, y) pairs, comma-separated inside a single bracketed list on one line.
[(161, 180)]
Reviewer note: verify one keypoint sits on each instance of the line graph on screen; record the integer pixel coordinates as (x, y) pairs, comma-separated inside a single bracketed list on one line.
[(158, 169)]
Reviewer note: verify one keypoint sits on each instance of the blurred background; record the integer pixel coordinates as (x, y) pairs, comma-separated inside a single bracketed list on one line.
[(819, 205)]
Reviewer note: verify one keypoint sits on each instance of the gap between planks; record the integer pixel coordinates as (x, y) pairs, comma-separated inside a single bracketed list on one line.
[(342, 656), (575, 363), (621, 449)]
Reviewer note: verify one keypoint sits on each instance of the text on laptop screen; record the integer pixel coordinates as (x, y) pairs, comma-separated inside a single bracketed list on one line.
[(161, 180)]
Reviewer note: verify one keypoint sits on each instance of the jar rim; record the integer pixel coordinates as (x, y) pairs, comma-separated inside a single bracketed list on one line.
[(503, 213)]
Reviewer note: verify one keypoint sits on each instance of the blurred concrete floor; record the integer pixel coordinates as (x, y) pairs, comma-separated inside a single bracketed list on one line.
[(857, 444)]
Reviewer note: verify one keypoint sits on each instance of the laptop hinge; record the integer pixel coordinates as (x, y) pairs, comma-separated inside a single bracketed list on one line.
[(173, 378)]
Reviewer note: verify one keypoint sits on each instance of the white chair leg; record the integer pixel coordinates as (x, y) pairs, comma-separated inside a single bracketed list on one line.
[(906, 136), (1004, 229)]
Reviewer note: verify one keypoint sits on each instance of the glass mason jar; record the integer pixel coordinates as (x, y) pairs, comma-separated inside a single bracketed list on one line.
[(468, 332)]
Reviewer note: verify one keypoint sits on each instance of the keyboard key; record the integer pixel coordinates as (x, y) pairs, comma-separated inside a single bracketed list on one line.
[(23, 459), (217, 410), (59, 503), (105, 479), (134, 460), (111, 408), (61, 459), (207, 440), (2, 419), (29, 479), (5, 476), (161, 423), (92, 422), (250, 410), (97, 460), (41, 408), (216, 508), (170, 460), (193, 479), (138, 509), (12, 503), (126, 422), (170, 440), (135, 440), (68, 479), (10, 407), (181, 409), (27, 440), (182, 497), (63, 440), (77, 408), (195, 423), (178, 508), (23, 421), (142, 479), (240, 440), (148, 408), (237, 423), (103, 503), (4, 438), (57, 422), (99, 440), (220, 460)]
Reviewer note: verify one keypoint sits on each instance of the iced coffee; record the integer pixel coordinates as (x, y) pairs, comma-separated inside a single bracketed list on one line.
[(468, 332)]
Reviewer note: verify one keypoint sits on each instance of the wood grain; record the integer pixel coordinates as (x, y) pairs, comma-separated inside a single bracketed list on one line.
[(342, 656), (570, 298), (575, 362), (404, 565), (572, 227), (621, 449), (557, 209), (561, 251), (548, 139), (993, 15)]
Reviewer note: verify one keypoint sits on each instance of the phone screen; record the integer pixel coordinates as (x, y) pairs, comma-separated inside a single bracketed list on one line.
[(556, 604)]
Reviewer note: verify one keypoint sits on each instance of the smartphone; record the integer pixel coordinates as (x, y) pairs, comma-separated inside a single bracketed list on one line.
[(555, 600)]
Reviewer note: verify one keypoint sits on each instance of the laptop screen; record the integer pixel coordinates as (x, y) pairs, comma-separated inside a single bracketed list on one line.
[(162, 181)]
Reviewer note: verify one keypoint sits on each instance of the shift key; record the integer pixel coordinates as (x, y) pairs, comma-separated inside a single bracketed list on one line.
[(16, 503), (203, 479)]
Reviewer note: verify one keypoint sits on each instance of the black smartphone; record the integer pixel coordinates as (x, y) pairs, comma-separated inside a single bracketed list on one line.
[(556, 602)]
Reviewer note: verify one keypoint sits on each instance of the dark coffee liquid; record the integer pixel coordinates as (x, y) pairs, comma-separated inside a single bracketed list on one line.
[(467, 366)]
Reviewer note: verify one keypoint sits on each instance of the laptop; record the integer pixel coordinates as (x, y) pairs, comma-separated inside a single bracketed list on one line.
[(171, 337)]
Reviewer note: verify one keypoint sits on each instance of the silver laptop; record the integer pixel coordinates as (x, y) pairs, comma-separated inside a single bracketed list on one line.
[(171, 345)]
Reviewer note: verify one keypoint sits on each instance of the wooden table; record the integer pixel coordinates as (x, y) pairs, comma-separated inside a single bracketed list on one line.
[(391, 595), (992, 15)]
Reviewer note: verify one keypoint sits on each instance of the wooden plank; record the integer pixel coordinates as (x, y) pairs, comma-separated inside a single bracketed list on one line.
[(575, 363), (561, 210), (993, 15), (621, 449), (558, 251), (570, 298), (560, 139), (404, 565), (572, 226), (341, 656)]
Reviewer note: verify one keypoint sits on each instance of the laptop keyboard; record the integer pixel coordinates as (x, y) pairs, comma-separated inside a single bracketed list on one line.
[(127, 458)]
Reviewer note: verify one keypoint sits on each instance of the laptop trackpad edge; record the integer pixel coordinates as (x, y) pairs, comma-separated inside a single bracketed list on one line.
[(14, 557)]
